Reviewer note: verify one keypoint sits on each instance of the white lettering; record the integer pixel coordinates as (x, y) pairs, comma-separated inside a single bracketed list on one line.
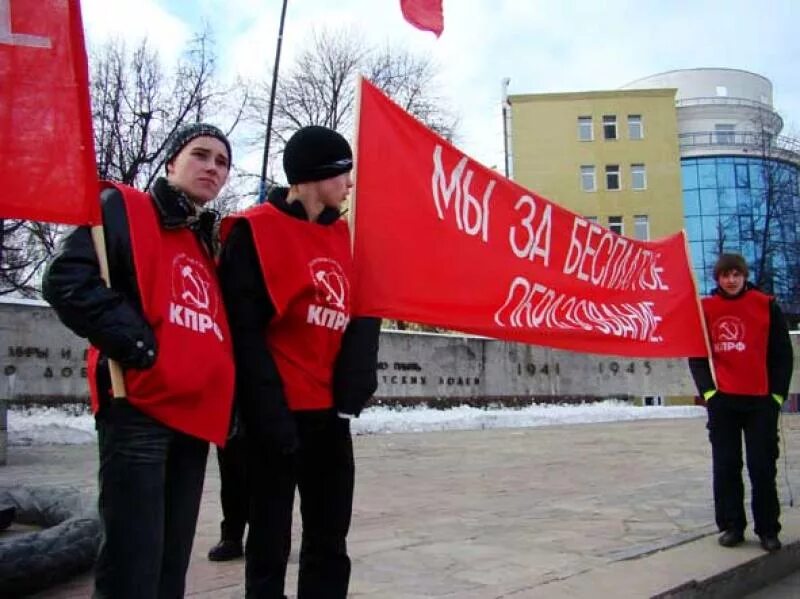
[(314, 314), (326, 317), (18, 39), (472, 216), (194, 321), (175, 314), (574, 252), (533, 305)]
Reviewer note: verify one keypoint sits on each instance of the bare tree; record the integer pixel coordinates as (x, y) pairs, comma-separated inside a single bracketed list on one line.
[(319, 87), (775, 209), (25, 246), (137, 105)]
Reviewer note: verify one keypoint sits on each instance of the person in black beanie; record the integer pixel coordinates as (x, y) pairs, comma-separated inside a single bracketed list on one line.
[(161, 321), (305, 366)]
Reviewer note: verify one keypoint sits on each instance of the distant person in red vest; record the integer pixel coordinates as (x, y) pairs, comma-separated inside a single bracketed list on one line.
[(752, 357), (163, 321), (305, 366)]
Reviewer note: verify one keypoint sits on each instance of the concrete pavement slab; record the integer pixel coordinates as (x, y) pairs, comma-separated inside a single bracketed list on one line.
[(600, 510)]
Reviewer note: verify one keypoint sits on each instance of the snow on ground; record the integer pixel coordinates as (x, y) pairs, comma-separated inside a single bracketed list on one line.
[(67, 425)]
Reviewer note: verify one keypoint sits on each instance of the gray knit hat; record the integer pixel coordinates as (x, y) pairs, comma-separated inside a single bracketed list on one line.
[(187, 133)]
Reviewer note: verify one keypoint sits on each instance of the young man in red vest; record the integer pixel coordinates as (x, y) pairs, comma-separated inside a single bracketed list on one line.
[(305, 365), (752, 356), (163, 322)]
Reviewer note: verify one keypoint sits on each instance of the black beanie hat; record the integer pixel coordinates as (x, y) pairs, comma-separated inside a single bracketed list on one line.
[(183, 135), (314, 153)]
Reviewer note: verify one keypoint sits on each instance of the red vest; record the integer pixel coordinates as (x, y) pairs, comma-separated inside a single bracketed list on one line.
[(190, 387), (307, 268), (739, 330)]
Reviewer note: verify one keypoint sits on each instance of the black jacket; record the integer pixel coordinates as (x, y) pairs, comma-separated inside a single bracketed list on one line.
[(111, 317), (780, 357), (259, 389)]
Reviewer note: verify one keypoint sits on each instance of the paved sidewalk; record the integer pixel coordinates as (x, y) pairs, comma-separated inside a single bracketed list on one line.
[(618, 509)]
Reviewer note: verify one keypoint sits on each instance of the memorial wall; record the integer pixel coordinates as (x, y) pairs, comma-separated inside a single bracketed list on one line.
[(43, 361)]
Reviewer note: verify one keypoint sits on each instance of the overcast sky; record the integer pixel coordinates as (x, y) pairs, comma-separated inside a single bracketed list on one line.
[(541, 45)]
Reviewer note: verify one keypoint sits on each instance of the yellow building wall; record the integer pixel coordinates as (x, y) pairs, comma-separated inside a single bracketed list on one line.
[(547, 154)]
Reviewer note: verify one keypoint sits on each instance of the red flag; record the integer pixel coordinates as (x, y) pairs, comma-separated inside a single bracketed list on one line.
[(442, 240), (46, 144), (424, 14)]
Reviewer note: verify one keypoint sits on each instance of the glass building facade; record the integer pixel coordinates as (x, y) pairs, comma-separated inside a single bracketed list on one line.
[(747, 205)]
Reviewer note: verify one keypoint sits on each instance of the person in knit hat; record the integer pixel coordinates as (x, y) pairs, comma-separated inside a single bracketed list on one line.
[(161, 321), (751, 354), (305, 365)]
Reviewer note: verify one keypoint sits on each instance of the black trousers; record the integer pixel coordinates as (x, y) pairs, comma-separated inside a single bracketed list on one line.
[(151, 482), (322, 470), (232, 462), (730, 416)]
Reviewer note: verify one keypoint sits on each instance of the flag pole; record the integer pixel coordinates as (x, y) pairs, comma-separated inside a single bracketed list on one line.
[(114, 369), (262, 188), (351, 217)]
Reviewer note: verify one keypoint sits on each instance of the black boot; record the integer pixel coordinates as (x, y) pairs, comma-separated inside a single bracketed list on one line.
[(770, 543), (225, 550), (731, 538)]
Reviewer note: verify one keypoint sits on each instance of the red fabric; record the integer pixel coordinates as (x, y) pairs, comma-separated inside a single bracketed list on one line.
[(442, 240), (424, 14), (307, 268), (47, 149), (739, 333), (190, 387)]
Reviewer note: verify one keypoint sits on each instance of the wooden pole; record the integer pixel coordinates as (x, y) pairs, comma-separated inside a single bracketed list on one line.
[(114, 369)]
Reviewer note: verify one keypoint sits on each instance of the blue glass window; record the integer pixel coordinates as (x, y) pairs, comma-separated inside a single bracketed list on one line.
[(711, 250), (689, 175), (756, 175), (746, 226), (725, 174), (708, 201), (707, 175), (744, 200), (742, 176), (696, 250), (693, 228), (691, 203), (749, 251), (726, 198), (711, 226)]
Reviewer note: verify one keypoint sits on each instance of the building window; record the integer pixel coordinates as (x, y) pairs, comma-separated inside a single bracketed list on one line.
[(615, 224), (588, 181), (638, 177), (725, 134), (635, 130), (585, 129), (641, 227), (612, 176), (610, 126)]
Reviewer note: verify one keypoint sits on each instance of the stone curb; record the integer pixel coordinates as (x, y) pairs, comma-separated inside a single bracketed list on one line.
[(747, 577)]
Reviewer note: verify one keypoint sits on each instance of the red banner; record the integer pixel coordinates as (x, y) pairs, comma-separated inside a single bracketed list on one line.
[(424, 14), (442, 240), (47, 150)]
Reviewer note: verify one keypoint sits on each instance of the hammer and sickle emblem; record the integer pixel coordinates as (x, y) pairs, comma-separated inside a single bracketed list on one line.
[(333, 287), (195, 288), (727, 331)]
